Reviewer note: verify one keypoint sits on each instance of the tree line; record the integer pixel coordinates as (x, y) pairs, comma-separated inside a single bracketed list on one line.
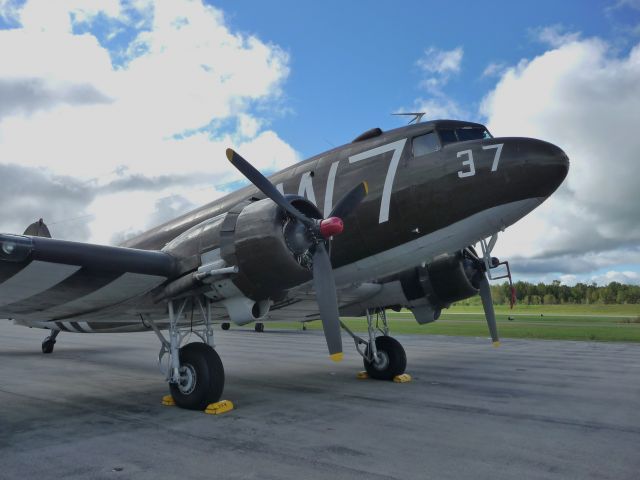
[(556, 293)]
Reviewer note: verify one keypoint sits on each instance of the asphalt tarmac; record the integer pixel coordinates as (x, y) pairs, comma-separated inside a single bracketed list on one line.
[(530, 409)]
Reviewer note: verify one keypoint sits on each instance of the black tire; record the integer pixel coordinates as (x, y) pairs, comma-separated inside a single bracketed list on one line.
[(225, 326), (47, 345), (259, 327), (209, 377), (395, 361)]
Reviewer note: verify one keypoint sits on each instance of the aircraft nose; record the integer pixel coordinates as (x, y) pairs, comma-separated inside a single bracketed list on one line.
[(542, 165)]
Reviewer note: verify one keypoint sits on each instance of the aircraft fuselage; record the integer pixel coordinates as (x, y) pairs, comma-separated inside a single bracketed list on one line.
[(410, 195)]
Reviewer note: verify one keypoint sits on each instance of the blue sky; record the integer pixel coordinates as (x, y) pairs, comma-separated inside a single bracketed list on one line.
[(353, 63), (121, 109)]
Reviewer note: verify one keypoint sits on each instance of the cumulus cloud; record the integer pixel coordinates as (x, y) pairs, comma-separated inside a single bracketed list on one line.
[(28, 194), (494, 69), (28, 95), (441, 106), (438, 66), (584, 97), (577, 263), (148, 114), (627, 277), (620, 4), (441, 62), (554, 35)]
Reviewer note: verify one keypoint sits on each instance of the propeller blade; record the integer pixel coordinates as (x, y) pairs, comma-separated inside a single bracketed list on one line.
[(264, 185), (489, 313), (350, 201), (325, 287)]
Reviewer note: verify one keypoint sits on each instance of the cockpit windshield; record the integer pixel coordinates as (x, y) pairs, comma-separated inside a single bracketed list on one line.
[(461, 134)]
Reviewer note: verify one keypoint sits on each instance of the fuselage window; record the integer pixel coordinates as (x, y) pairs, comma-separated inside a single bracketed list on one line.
[(425, 144)]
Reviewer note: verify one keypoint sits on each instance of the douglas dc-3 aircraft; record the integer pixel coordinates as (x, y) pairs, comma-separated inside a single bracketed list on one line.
[(386, 221)]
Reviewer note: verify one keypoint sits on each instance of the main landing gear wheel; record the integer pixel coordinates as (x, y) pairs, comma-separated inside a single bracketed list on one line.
[(201, 377), (391, 361), (225, 326), (49, 342), (47, 345), (259, 327)]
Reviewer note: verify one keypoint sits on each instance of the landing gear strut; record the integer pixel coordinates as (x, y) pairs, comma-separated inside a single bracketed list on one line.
[(49, 342), (383, 356), (194, 371)]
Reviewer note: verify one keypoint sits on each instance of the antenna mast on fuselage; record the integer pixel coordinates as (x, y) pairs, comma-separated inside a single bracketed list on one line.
[(417, 116)]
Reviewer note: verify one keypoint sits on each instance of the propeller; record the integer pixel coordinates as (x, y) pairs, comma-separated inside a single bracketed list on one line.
[(311, 234), (485, 296), (489, 313)]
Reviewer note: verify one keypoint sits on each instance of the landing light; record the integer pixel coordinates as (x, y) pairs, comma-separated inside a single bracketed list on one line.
[(15, 248), (8, 247)]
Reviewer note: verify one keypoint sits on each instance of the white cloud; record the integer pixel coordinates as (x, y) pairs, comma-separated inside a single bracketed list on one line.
[(438, 65), (443, 62), (633, 4), (440, 106), (627, 277), (555, 35), (85, 111), (494, 69), (584, 98), (569, 279), (9, 11)]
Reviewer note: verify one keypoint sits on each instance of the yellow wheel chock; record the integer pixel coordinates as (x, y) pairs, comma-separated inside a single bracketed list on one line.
[(217, 408), (404, 378)]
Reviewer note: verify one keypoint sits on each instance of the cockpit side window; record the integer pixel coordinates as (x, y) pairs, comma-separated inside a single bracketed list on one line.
[(462, 134), (471, 133), (425, 144), (447, 135)]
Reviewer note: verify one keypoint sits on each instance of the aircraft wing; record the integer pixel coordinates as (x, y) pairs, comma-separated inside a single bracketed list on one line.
[(46, 279)]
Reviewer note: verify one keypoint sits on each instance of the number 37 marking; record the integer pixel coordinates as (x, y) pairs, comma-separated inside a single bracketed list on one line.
[(469, 161)]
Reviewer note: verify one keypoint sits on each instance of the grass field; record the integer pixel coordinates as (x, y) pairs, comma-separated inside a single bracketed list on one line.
[(620, 323)]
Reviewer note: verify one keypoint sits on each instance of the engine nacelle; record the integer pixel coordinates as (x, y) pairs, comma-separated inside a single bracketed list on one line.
[(261, 245), (447, 279), (258, 241)]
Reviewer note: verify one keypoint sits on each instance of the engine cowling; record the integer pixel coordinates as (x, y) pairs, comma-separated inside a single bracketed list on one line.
[(447, 279), (268, 248)]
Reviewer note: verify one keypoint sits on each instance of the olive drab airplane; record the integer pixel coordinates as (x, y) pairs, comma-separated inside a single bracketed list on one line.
[(387, 221)]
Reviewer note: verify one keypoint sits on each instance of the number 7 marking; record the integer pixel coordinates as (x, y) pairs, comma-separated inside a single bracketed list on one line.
[(397, 148), (496, 157)]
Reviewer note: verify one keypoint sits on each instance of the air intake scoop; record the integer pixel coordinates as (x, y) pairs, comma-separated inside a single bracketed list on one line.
[(374, 132)]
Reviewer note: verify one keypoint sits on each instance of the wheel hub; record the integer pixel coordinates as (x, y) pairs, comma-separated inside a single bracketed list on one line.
[(188, 379), (381, 362)]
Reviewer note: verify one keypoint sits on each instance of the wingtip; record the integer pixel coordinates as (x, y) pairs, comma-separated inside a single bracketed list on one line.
[(337, 357), (229, 154)]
